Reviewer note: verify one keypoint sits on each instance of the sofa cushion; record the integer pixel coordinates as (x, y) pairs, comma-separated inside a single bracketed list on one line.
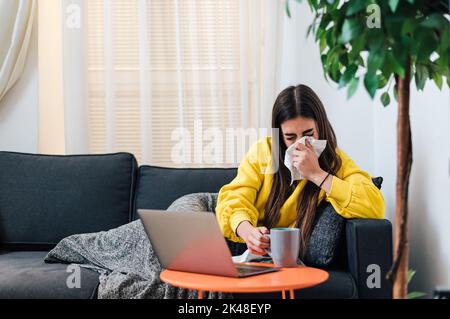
[(25, 275), (158, 187), (327, 234), (46, 198)]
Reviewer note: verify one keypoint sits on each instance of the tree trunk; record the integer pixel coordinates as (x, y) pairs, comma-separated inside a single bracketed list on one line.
[(399, 269)]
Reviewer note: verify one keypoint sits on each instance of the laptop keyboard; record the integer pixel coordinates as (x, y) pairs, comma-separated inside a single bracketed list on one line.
[(244, 269)]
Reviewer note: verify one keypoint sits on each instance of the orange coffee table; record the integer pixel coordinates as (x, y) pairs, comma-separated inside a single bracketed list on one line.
[(286, 279)]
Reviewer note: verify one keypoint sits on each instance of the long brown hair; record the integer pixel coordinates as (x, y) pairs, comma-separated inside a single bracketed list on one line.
[(291, 103)]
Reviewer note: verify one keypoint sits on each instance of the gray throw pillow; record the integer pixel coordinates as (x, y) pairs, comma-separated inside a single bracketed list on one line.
[(327, 234), (325, 237), (204, 202), (196, 202)]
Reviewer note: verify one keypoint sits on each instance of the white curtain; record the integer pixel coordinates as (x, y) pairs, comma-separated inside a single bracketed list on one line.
[(261, 52), (152, 66), (16, 21), (74, 37)]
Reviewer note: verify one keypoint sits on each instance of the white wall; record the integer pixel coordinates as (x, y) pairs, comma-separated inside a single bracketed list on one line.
[(430, 188), (19, 108), (429, 192)]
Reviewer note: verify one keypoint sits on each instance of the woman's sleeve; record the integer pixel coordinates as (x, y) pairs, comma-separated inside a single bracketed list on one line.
[(236, 200), (355, 195)]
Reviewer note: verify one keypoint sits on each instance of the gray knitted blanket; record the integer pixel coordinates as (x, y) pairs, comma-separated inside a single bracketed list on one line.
[(125, 259)]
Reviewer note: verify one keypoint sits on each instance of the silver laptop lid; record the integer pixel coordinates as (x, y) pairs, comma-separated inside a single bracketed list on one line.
[(188, 241)]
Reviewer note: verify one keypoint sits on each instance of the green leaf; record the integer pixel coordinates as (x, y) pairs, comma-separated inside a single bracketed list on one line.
[(288, 10), (348, 75), (385, 99), (343, 58), (382, 81), (436, 21), (309, 30), (393, 4), (324, 58), (314, 4), (415, 295), (421, 76), (331, 39), (357, 46), (410, 275), (375, 60), (325, 21), (322, 44), (424, 43), (355, 6), (391, 65), (445, 40), (334, 71), (371, 83), (442, 62), (375, 40), (351, 28), (359, 60), (332, 57), (400, 53), (319, 34), (408, 26), (352, 87), (395, 93), (438, 80)]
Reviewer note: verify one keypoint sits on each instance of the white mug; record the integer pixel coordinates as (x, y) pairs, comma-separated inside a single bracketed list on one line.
[(284, 246)]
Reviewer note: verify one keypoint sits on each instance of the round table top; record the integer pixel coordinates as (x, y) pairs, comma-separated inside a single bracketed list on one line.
[(285, 279)]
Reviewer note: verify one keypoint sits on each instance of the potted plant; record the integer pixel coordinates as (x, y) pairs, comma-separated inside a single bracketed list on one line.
[(385, 45)]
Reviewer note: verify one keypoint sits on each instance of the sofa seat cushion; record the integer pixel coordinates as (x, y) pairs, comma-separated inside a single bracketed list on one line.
[(340, 285), (25, 275)]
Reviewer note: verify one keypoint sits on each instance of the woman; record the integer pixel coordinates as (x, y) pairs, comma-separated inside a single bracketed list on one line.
[(254, 201)]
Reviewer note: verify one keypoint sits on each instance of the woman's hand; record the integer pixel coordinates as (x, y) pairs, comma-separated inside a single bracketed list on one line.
[(254, 237), (306, 162)]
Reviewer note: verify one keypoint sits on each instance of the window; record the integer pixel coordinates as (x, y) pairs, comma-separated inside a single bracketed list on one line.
[(155, 66)]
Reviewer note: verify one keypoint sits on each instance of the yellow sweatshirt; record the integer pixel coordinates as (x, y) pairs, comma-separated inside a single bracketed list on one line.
[(353, 194)]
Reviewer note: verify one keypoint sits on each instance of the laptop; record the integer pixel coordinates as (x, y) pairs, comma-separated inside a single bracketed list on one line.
[(193, 242)]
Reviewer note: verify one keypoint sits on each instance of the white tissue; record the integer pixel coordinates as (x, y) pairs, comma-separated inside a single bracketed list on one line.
[(247, 256), (318, 146)]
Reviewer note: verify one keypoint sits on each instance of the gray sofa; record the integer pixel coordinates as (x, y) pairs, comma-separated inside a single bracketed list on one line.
[(46, 198)]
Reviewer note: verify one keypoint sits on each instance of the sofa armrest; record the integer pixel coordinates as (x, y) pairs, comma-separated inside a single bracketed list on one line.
[(369, 245)]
